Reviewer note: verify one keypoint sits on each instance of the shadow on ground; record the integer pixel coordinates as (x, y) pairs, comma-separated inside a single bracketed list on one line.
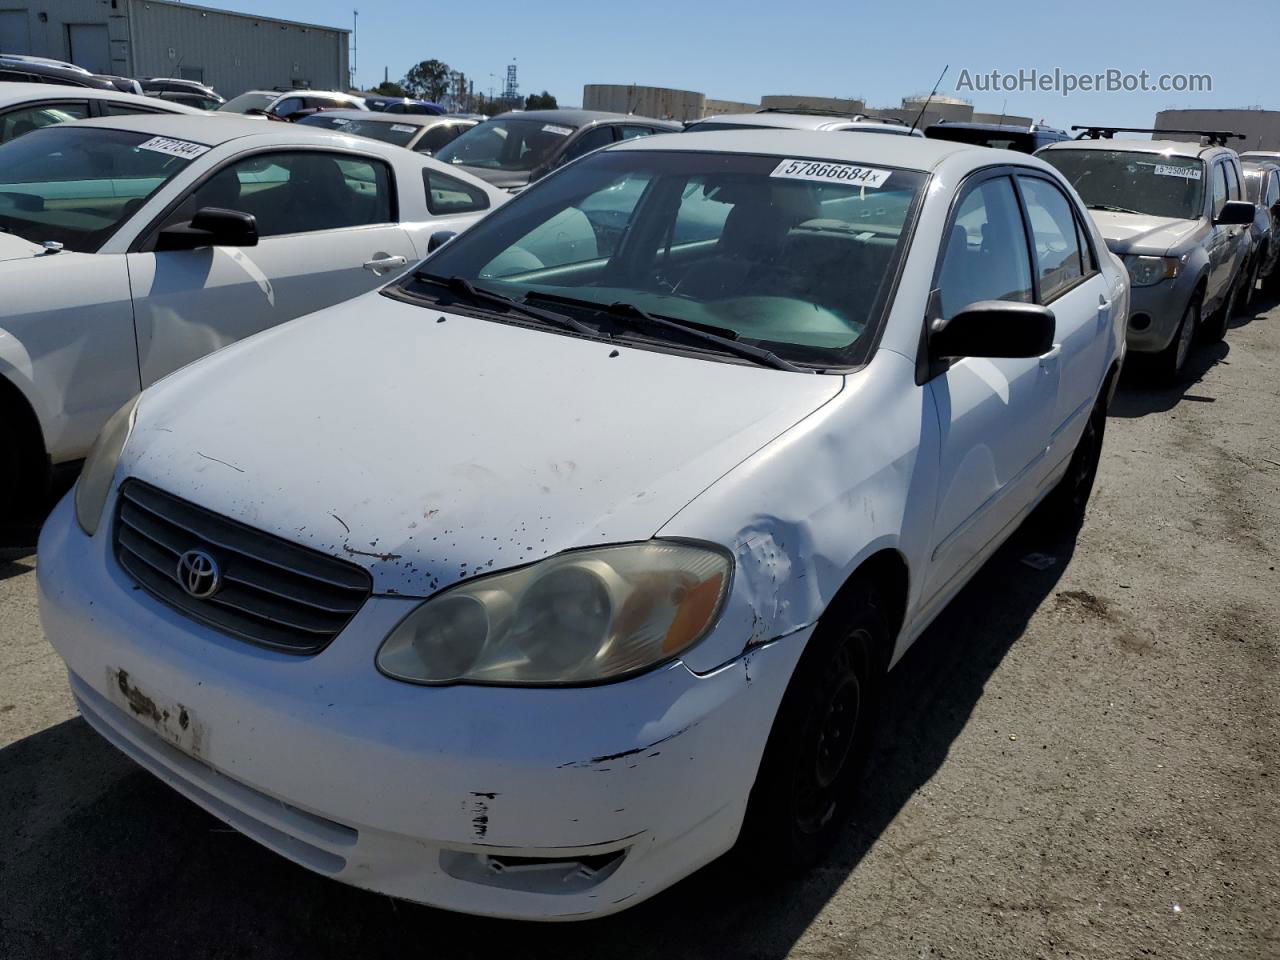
[(1140, 394), (99, 859)]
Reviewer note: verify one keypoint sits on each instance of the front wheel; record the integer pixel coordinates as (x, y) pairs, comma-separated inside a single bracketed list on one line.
[(821, 736), (1172, 360), (1215, 327)]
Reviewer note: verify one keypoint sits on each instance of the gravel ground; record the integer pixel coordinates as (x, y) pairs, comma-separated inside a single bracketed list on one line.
[(1078, 761)]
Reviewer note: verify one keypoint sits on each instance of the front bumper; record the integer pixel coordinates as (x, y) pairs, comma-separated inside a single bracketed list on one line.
[(1163, 305), (414, 791)]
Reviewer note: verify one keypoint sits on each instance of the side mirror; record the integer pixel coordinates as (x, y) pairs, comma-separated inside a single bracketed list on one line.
[(1235, 213), (993, 328), (210, 227), (439, 239)]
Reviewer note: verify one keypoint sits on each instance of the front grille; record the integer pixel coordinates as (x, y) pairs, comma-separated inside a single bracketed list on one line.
[(274, 593)]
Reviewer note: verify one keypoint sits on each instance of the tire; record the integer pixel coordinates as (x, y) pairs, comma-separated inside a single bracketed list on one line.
[(1172, 360), (1065, 506), (1215, 328), (1250, 287), (804, 791)]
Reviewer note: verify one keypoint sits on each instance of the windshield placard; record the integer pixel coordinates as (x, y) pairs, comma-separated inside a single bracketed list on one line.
[(403, 128), (825, 172), (174, 148), (553, 128), (1167, 170)]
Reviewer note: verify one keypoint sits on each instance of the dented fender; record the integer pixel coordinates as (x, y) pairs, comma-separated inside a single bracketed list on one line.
[(869, 483)]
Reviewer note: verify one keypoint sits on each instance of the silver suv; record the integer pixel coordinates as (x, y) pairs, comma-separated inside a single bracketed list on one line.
[(1176, 213)]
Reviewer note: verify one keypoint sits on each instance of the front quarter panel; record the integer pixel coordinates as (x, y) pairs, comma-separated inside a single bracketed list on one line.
[(856, 477), (66, 342)]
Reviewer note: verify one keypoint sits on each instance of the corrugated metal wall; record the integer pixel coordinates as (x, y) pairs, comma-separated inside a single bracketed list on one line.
[(234, 52)]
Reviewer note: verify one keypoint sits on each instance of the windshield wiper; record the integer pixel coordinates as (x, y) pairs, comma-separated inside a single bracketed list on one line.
[(463, 286), (726, 341), (1111, 208)]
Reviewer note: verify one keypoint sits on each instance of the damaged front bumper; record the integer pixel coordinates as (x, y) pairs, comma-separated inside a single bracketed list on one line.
[(559, 803)]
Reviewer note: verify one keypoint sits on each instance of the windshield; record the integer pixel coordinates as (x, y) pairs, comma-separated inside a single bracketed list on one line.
[(506, 144), (1150, 183), (77, 185), (398, 133), (786, 254), (248, 101)]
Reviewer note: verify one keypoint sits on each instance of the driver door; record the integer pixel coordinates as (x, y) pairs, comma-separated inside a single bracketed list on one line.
[(327, 233)]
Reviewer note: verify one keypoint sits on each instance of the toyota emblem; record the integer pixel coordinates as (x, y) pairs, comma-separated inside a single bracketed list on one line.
[(199, 574)]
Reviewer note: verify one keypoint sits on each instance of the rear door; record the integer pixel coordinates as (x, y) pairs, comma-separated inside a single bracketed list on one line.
[(328, 229), (1068, 282), (995, 415)]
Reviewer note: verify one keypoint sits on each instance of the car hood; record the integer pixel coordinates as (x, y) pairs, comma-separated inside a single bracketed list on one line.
[(1126, 232), (428, 446), (15, 248), (502, 179)]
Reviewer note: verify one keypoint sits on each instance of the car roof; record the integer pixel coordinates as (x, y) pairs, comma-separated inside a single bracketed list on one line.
[(915, 153), (1173, 148), (15, 93), (374, 116), (197, 127), (580, 118)]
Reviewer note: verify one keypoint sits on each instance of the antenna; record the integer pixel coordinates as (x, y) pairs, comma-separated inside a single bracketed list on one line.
[(933, 93)]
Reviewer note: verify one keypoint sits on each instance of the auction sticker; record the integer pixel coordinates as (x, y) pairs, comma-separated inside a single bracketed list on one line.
[(339, 122), (825, 172), (403, 128), (1187, 173), (553, 128), (174, 148)]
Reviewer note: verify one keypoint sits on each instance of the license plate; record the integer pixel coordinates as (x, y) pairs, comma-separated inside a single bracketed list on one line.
[(167, 718)]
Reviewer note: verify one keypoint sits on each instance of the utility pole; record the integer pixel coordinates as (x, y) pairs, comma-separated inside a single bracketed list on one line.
[(355, 46)]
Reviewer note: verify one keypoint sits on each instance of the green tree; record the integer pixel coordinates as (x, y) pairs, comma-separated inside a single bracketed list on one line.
[(540, 101), (429, 79), (389, 88)]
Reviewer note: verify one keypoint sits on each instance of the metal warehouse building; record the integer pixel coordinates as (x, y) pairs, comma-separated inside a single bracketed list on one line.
[(233, 52), (1261, 128)]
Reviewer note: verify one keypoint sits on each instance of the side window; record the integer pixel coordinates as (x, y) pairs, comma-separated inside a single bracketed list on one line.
[(593, 139), (287, 106), (985, 253), (303, 191), (1233, 182), (630, 132), (1219, 188), (446, 195), (437, 137), (112, 109), (1053, 231), (17, 122)]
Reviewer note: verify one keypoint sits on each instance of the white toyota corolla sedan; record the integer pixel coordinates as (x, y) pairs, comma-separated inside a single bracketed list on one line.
[(534, 581), (130, 246)]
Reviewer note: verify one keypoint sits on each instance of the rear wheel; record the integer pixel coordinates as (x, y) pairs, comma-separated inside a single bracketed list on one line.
[(821, 736), (1172, 360), (1064, 508)]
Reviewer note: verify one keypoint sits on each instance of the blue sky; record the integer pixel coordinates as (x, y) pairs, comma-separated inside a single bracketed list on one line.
[(874, 49)]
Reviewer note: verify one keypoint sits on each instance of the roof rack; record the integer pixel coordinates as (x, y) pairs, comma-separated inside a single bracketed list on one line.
[(807, 111), (1215, 138)]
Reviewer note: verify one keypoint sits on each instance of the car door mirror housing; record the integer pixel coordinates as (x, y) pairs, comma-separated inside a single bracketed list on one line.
[(210, 227), (439, 239), (1235, 213), (993, 328)]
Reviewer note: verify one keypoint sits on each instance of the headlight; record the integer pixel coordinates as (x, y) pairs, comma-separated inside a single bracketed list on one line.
[(1144, 271), (100, 467), (579, 617)]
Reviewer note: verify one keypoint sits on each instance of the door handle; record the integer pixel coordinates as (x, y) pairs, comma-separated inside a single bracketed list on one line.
[(384, 263), (1048, 360)]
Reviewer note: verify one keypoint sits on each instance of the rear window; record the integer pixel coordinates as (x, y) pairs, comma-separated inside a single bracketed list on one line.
[(448, 195)]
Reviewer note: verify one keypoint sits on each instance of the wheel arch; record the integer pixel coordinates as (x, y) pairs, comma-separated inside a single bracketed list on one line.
[(16, 408), (887, 574)]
